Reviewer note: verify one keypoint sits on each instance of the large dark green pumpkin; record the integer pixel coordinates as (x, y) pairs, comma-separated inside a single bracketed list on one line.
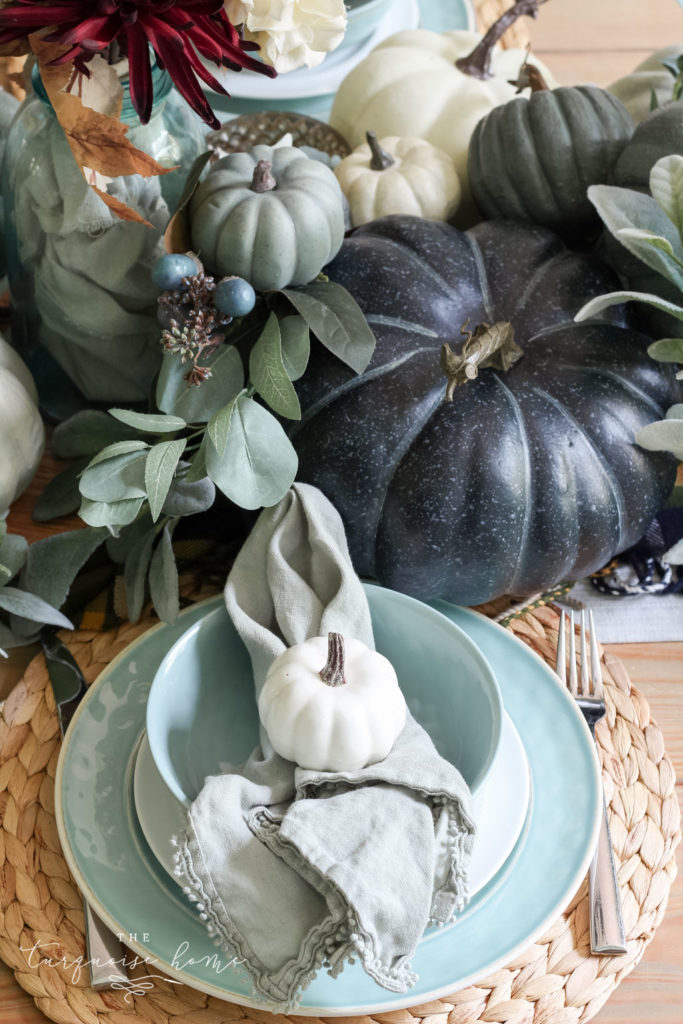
[(528, 477), (533, 159)]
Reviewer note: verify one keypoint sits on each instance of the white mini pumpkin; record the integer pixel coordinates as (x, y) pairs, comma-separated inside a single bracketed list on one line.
[(332, 704), (410, 85), (398, 175), (22, 434)]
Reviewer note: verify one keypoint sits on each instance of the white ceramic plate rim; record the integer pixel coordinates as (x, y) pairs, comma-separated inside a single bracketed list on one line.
[(327, 1011)]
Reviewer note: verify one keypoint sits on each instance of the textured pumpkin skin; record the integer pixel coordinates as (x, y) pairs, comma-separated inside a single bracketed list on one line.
[(533, 159), (272, 239), (409, 85), (22, 434), (422, 181), (659, 135), (635, 90), (528, 477)]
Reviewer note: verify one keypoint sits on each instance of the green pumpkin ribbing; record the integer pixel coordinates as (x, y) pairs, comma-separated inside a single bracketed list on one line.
[(275, 238), (534, 159)]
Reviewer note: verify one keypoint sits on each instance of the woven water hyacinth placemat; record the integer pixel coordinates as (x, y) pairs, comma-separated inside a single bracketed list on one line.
[(555, 981)]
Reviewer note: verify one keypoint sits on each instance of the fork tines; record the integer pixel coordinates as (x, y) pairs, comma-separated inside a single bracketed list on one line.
[(594, 675)]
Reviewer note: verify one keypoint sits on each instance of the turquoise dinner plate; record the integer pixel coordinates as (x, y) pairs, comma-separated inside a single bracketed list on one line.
[(119, 875)]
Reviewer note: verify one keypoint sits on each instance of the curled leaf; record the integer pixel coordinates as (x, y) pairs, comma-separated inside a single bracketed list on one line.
[(97, 140)]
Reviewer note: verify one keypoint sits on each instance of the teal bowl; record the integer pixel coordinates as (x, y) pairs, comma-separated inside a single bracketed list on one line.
[(202, 717)]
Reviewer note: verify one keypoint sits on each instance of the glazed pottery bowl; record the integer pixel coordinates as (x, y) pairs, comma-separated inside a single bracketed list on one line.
[(202, 717)]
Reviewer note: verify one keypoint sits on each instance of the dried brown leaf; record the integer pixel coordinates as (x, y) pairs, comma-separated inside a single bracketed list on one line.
[(98, 142), (12, 76), (120, 209)]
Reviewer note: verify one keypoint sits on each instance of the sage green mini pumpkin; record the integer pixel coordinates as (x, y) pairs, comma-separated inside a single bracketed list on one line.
[(533, 159), (270, 215)]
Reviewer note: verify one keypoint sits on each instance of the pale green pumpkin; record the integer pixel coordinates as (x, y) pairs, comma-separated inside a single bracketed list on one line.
[(270, 215), (22, 435)]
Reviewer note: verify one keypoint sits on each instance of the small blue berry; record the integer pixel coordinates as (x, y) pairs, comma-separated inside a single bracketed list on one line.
[(234, 296), (170, 269)]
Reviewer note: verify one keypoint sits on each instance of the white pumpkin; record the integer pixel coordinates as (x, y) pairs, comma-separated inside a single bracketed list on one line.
[(395, 175), (650, 76), (331, 704), (410, 85), (22, 434)]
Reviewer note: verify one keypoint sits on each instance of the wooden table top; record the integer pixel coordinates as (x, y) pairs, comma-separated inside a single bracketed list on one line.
[(581, 40)]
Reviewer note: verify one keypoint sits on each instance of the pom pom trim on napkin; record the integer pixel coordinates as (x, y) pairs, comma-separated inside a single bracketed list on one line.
[(352, 864)]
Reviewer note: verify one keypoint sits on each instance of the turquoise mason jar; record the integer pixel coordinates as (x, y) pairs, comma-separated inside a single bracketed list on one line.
[(83, 302)]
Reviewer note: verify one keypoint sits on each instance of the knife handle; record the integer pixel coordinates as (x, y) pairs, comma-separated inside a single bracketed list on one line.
[(104, 951), (606, 922)]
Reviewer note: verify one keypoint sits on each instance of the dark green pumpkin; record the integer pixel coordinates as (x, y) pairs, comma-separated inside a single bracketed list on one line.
[(660, 134), (533, 158), (526, 478)]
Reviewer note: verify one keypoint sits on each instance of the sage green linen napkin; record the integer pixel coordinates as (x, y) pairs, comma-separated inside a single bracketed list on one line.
[(293, 869), (91, 271)]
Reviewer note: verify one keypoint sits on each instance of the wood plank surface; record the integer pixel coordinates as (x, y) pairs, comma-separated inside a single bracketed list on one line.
[(600, 40), (581, 40)]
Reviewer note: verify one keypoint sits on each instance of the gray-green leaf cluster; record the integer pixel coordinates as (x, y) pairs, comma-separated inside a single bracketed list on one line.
[(651, 228), (33, 586), (216, 425)]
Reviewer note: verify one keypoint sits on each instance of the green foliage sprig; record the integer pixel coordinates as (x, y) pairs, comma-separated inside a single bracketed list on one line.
[(651, 228), (674, 65), (22, 612), (216, 425)]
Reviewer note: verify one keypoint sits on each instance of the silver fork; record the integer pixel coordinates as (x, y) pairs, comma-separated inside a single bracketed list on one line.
[(606, 922)]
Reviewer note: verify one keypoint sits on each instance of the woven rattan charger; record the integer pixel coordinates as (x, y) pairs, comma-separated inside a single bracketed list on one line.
[(555, 981)]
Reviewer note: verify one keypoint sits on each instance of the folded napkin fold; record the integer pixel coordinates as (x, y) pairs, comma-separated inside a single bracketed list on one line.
[(294, 869)]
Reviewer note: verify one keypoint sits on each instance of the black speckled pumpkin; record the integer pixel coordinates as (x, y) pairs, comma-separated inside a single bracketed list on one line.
[(528, 476), (533, 158)]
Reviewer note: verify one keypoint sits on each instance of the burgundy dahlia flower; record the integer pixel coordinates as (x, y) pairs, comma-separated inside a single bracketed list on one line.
[(179, 32)]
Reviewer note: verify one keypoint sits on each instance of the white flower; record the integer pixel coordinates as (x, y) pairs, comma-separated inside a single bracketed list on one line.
[(290, 33)]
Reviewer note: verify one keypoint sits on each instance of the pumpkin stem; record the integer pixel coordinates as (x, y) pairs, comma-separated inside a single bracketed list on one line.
[(332, 672), (529, 77), (263, 180), (490, 345), (380, 158), (478, 62)]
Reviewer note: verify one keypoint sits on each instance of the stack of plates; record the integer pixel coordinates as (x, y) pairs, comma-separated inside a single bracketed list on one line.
[(537, 807), (311, 90)]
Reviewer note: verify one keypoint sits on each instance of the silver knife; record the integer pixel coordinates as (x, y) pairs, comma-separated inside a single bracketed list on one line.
[(104, 950)]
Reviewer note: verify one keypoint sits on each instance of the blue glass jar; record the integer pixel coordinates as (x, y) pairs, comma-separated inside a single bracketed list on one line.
[(83, 302)]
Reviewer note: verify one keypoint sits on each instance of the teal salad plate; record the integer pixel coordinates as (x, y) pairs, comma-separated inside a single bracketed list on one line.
[(118, 873), (201, 712)]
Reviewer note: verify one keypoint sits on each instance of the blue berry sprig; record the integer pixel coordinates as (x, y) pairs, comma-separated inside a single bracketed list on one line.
[(194, 309)]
